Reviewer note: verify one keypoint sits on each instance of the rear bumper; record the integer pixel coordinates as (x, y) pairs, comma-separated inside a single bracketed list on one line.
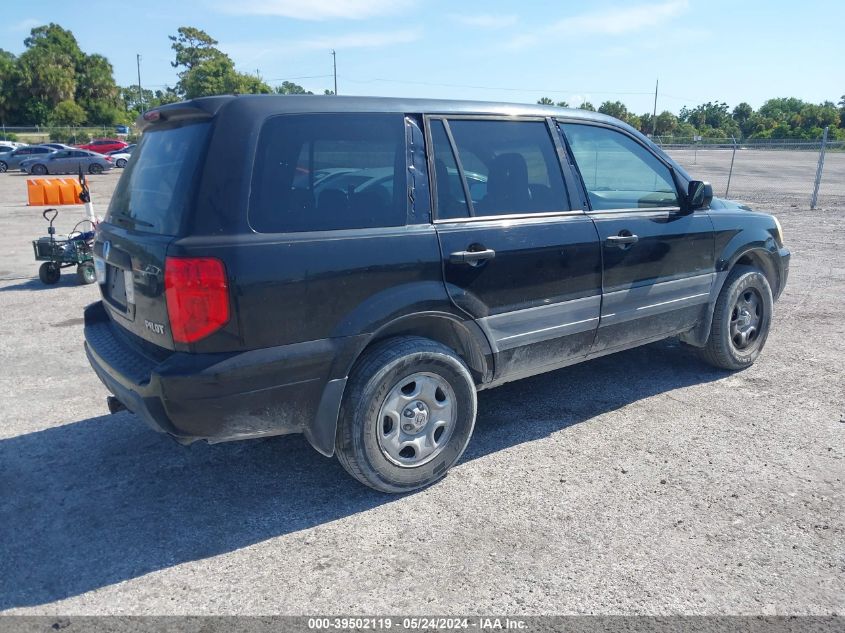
[(214, 397)]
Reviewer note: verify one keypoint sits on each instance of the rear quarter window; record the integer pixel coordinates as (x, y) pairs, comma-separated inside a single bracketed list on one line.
[(327, 172), (157, 188)]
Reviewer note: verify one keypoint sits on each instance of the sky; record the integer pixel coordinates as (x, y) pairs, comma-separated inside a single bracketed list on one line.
[(700, 50)]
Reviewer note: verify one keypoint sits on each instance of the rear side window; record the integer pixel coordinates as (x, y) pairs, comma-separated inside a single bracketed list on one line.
[(451, 200), (510, 167), (157, 187), (325, 172)]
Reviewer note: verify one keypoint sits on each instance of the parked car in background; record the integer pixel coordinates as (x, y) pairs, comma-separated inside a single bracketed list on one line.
[(57, 146), (122, 130), (366, 309), (4, 148), (67, 161), (121, 156), (104, 145), (120, 159), (124, 150), (13, 159)]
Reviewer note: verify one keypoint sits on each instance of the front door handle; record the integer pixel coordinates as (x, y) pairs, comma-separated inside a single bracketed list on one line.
[(622, 240), (472, 257)]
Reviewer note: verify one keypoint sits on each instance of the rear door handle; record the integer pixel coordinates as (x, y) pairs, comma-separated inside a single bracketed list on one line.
[(622, 240), (472, 257)]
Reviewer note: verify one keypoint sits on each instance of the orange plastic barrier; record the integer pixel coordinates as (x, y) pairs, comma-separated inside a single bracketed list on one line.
[(53, 191)]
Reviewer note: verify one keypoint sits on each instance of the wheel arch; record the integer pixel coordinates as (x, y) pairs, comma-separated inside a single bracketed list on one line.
[(463, 337), (757, 256)]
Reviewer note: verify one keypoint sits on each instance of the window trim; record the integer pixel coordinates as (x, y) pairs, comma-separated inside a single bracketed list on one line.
[(568, 179), (583, 186)]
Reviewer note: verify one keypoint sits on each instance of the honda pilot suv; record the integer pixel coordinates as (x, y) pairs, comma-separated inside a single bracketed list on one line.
[(357, 269)]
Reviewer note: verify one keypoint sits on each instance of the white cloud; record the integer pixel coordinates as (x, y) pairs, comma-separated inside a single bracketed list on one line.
[(315, 9), (616, 22), (253, 51), (486, 20), (361, 40), (606, 22), (25, 25)]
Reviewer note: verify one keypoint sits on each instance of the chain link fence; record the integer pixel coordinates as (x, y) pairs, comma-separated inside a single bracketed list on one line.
[(34, 134), (798, 173)]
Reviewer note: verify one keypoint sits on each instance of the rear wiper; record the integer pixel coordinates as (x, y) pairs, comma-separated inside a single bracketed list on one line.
[(134, 221)]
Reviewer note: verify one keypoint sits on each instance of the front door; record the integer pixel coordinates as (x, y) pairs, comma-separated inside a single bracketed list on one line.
[(518, 257), (659, 263)]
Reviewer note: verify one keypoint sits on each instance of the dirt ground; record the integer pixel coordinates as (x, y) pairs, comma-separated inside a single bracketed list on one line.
[(639, 483)]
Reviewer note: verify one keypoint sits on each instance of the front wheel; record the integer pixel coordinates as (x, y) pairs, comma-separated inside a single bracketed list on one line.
[(49, 273), (407, 416), (38, 170), (741, 320), (3, 167), (121, 162)]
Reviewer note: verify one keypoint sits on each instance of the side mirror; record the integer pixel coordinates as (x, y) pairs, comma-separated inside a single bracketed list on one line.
[(699, 195)]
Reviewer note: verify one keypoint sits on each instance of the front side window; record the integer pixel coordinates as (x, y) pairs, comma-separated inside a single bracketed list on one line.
[(326, 172), (618, 172), (510, 167)]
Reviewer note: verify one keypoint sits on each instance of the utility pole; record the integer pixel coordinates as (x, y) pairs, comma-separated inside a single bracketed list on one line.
[(334, 66), (654, 115), (140, 92)]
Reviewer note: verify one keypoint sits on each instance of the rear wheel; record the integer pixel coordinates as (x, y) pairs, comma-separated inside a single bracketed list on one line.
[(121, 162), (407, 416), (95, 168), (49, 273), (38, 170), (741, 320), (3, 167), (86, 274)]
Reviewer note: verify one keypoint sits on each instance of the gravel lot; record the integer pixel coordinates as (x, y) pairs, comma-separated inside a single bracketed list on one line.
[(641, 483)]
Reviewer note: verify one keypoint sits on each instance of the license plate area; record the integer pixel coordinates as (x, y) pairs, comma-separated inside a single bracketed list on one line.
[(118, 290)]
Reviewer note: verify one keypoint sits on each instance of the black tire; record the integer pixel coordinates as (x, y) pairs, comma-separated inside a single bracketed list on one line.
[(3, 167), (376, 376), (95, 168), (121, 162), (741, 320), (86, 274), (49, 273), (38, 170)]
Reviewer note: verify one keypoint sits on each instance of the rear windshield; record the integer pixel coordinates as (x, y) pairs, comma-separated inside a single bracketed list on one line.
[(158, 185)]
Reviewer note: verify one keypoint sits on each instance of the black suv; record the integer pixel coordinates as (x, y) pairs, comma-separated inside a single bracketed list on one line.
[(356, 269)]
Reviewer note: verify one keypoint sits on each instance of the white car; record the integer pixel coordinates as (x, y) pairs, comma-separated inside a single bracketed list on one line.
[(120, 159)]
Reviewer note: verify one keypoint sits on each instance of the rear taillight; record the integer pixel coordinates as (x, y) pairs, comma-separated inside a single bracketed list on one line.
[(197, 297)]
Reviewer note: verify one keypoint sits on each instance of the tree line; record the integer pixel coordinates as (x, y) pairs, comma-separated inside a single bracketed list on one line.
[(782, 118), (54, 83)]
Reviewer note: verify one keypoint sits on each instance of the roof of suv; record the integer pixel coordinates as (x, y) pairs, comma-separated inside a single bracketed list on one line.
[(265, 104)]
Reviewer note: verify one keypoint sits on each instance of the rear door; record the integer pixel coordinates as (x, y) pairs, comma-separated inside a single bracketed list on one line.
[(148, 209), (519, 256), (658, 259)]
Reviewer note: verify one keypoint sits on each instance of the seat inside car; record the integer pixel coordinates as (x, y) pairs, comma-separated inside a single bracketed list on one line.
[(507, 185)]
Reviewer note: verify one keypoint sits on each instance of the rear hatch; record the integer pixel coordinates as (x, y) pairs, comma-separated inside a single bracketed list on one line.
[(149, 209)]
